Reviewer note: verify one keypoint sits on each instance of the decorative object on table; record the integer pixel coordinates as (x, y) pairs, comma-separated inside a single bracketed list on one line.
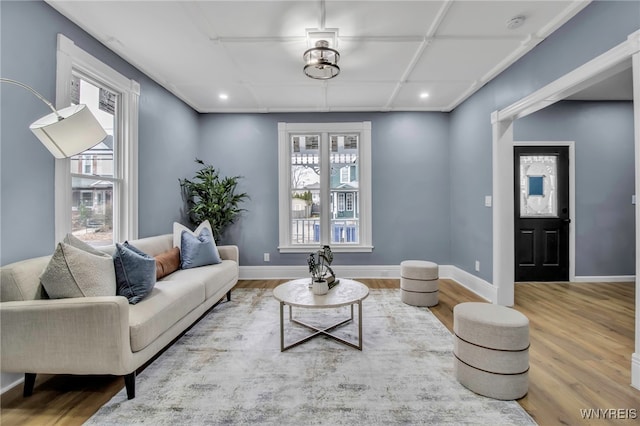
[(66, 132), (322, 276), (211, 197)]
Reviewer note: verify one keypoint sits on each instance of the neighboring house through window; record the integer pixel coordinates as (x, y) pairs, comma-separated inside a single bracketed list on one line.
[(325, 186), (97, 190)]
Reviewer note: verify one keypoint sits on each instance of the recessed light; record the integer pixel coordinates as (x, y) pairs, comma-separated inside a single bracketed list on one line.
[(223, 96), (424, 95), (516, 22)]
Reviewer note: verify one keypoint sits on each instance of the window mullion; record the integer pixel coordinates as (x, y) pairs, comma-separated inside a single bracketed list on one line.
[(325, 190)]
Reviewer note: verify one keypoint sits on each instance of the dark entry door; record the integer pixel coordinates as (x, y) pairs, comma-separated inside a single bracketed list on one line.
[(541, 213)]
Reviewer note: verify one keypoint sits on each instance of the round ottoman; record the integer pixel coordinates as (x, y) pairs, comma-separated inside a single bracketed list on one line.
[(419, 283), (491, 350)]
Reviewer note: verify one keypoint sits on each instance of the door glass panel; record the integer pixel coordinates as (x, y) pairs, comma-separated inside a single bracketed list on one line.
[(538, 186), (305, 189)]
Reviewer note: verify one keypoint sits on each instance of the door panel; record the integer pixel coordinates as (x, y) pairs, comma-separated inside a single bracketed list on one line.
[(525, 247), (552, 247), (541, 213)]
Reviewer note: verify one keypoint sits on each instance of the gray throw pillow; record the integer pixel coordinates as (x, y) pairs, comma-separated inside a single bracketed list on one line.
[(135, 272), (198, 250), (74, 272)]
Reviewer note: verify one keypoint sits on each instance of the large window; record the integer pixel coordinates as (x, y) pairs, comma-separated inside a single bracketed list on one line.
[(325, 186), (96, 190)]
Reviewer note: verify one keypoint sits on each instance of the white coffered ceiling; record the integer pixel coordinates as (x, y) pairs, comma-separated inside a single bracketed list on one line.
[(391, 51)]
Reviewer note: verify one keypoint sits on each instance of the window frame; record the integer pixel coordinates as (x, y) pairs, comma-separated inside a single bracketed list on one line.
[(284, 182), (70, 58)]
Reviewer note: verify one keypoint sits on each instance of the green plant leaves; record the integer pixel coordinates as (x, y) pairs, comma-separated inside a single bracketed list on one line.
[(211, 197)]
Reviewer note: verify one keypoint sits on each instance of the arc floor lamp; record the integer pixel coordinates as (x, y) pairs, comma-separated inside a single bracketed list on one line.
[(66, 132)]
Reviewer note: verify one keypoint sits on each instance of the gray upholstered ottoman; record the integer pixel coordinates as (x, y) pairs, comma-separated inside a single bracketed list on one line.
[(491, 349), (419, 284)]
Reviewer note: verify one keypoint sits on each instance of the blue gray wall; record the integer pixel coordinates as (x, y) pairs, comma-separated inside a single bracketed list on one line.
[(410, 182), (166, 146), (604, 167), (596, 29)]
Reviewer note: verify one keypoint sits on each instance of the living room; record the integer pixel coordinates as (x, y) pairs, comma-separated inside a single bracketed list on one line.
[(446, 156)]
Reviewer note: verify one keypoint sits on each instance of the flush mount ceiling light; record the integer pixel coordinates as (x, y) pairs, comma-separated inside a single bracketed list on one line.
[(321, 60)]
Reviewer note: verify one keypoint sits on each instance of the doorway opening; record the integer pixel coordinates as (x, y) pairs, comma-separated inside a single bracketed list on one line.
[(544, 211)]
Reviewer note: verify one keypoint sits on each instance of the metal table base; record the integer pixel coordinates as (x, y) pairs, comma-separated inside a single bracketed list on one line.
[(321, 331)]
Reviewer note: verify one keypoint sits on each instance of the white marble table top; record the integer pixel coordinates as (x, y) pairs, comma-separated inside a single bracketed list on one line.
[(298, 293)]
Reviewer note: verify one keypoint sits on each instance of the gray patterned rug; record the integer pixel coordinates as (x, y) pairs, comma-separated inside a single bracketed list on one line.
[(228, 369)]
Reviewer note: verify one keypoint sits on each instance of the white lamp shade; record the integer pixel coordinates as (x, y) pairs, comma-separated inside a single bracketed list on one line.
[(76, 132)]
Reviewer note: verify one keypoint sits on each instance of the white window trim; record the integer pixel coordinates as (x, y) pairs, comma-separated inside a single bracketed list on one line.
[(70, 57), (284, 179)]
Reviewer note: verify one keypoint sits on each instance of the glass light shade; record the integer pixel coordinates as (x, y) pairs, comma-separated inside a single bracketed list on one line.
[(321, 62), (78, 131)]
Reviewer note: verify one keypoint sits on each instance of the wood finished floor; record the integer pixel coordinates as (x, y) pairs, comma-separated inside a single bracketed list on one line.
[(582, 337)]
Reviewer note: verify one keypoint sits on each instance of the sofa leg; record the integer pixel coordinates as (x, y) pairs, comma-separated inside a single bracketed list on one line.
[(130, 384), (229, 296), (29, 382)]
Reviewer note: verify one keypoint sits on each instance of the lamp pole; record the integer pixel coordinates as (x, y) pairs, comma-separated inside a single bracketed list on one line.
[(32, 90)]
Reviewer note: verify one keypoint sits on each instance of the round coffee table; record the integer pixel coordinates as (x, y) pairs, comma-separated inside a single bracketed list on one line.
[(298, 293)]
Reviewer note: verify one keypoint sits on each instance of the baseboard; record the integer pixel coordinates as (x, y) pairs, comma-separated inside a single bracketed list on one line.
[(605, 279), (635, 370), (297, 271), (482, 288), (477, 285), (8, 387)]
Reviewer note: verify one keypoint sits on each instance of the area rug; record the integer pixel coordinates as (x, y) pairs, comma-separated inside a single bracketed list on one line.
[(228, 370)]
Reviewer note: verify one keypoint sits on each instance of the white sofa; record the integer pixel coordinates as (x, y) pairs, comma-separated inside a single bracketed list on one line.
[(103, 335)]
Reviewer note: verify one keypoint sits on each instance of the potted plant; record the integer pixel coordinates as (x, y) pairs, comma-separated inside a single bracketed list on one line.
[(211, 197)]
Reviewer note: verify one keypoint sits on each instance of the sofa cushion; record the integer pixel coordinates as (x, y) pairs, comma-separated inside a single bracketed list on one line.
[(153, 246), (74, 272), (167, 262), (198, 250), (214, 277), (21, 280), (135, 272), (167, 304)]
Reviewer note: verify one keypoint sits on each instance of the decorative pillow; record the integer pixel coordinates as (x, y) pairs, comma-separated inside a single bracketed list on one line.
[(74, 272), (178, 228), (167, 262), (135, 272), (72, 240), (198, 250)]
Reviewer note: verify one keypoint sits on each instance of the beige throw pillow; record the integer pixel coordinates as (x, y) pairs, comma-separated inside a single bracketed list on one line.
[(74, 272), (178, 228)]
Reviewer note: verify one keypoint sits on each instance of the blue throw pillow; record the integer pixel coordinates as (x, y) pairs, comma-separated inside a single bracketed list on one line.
[(135, 272), (198, 250)]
